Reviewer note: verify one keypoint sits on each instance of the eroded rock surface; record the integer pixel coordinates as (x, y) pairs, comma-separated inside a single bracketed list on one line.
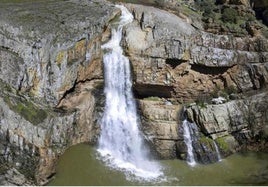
[(51, 81), (172, 59), (51, 77)]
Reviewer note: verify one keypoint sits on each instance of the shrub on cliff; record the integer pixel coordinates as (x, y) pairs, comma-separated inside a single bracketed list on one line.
[(229, 15), (206, 6)]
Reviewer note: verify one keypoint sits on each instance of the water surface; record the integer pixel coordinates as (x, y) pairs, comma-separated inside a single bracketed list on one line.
[(79, 166)]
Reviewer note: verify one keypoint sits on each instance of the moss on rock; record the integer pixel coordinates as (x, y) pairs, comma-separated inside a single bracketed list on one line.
[(223, 145), (26, 109), (206, 141)]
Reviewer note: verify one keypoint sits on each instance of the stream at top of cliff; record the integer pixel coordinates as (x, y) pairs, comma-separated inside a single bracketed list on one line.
[(79, 166)]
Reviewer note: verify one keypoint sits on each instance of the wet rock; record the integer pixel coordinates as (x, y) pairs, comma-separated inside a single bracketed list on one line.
[(51, 82), (159, 123), (241, 118)]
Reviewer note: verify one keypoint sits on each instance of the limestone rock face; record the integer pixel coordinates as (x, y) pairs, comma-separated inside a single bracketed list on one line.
[(159, 123), (240, 120), (51, 79), (48, 43), (171, 58), (174, 60), (33, 147)]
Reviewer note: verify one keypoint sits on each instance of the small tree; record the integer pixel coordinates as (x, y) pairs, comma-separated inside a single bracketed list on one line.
[(207, 6), (229, 15)]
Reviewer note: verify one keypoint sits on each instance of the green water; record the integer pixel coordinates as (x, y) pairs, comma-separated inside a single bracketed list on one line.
[(79, 166)]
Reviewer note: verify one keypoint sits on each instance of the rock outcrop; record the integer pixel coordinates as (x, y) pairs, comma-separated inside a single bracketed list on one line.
[(172, 59), (51, 81), (159, 121), (175, 61)]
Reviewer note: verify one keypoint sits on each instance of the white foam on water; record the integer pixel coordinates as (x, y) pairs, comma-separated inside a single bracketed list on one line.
[(120, 143)]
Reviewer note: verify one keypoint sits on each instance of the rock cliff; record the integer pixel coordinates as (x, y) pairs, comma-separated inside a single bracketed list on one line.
[(175, 61), (51, 81)]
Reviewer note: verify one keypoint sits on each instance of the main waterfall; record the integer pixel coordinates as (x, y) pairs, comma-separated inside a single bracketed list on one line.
[(120, 144)]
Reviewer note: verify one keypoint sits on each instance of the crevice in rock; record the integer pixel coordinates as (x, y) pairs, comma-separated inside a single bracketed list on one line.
[(252, 74), (209, 70), (5, 48), (20, 83), (73, 89), (216, 132), (67, 92), (168, 139), (142, 91), (173, 62), (51, 176)]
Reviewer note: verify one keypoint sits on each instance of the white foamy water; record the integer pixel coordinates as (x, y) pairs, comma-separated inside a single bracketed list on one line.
[(217, 151), (120, 143), (188, 141)]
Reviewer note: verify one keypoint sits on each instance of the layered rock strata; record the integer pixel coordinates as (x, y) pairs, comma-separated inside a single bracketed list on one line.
[(176, 62), (51, 81)]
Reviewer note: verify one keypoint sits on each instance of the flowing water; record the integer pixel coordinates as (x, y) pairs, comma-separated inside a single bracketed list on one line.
[(120, 143), (79, 166), (217, 151), (187, 135), (121, 155)]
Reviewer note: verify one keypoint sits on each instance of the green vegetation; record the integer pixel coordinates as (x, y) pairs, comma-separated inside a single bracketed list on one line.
[(223, 145), (228, 18), (152, 98), (230, 90), (26, 109), (206, 141), (202, 100), (226, 92), (229, 15), (205, 98), (207, 7)]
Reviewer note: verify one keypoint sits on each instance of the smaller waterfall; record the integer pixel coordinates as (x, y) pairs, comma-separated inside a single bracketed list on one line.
[(217, 151), (187, 134)]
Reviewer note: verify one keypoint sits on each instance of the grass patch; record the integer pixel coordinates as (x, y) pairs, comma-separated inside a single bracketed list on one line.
[(26, 109), (223, 145), (206, 141), (203, 99)]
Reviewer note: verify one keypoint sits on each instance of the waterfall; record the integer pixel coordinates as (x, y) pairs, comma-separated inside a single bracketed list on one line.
[(188, 139), (217, 151), (120, 143)]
